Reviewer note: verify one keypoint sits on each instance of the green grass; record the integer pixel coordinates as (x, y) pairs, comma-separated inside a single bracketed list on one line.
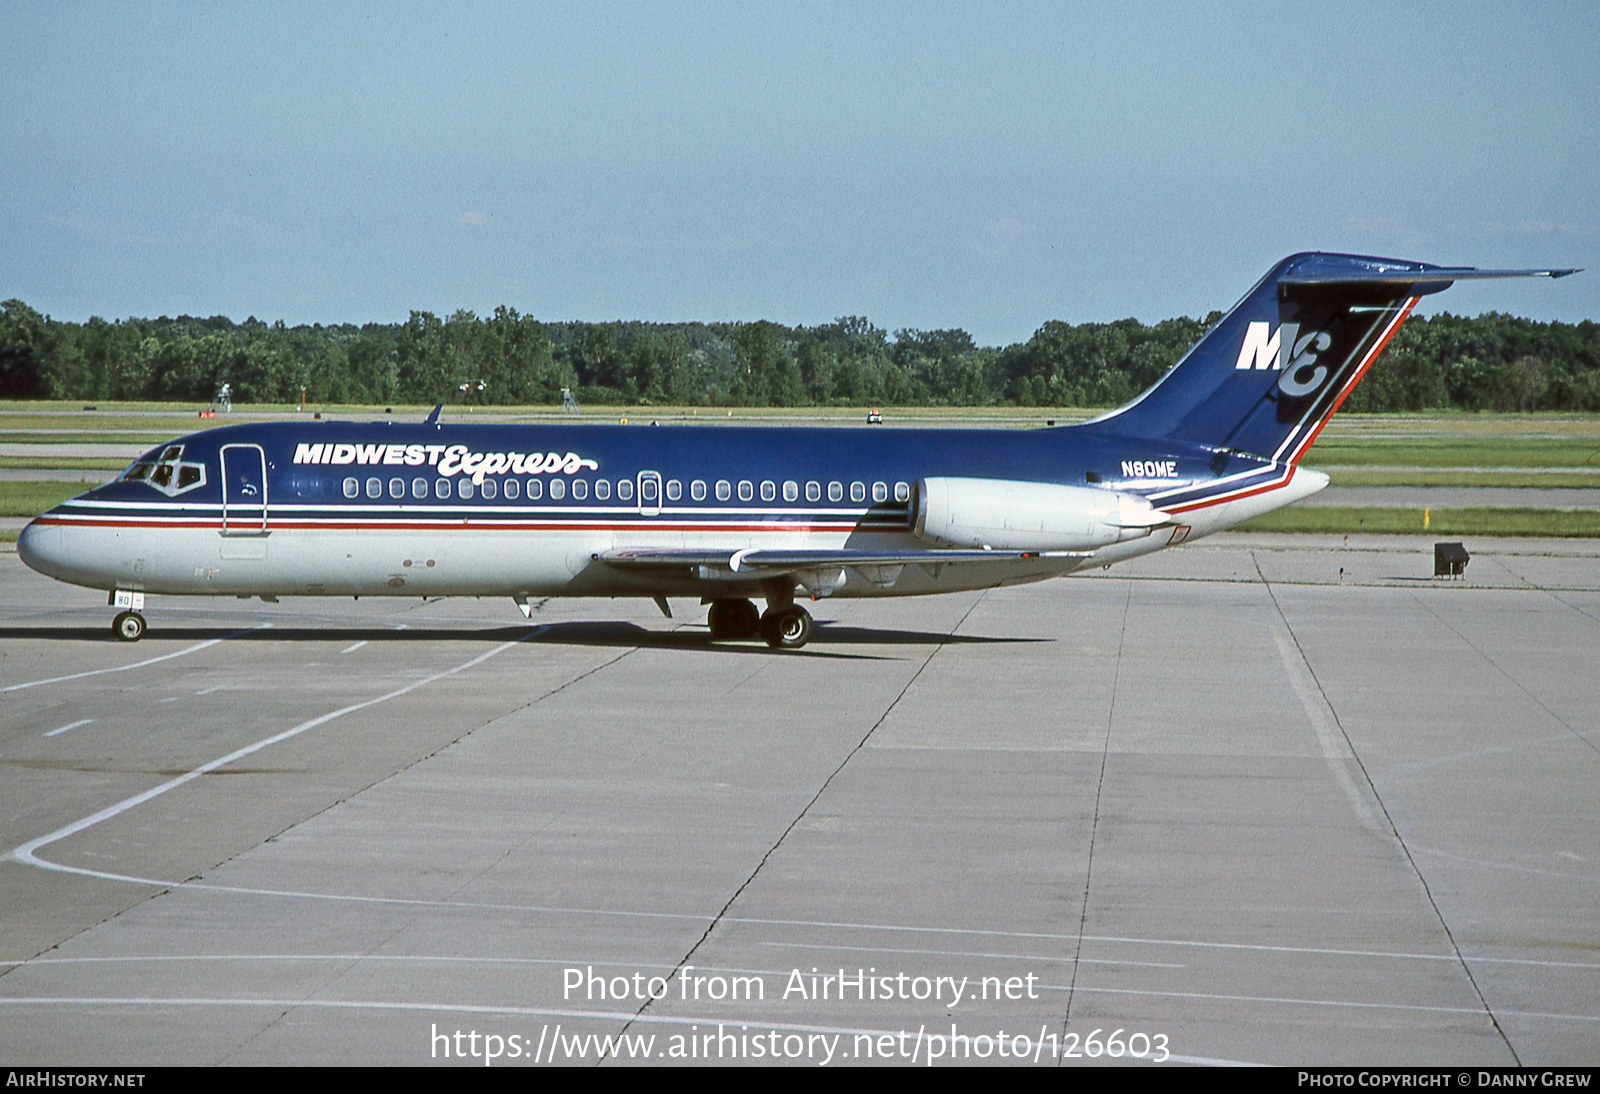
[(60, 463), (29, 499), (1441, 522), (1456, 452), (1536, 479), (133, 440)]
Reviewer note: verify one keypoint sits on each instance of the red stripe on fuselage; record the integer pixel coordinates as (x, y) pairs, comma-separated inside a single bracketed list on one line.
[(457, 524)]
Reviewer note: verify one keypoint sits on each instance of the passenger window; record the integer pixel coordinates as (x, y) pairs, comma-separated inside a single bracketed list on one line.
[(858, 491), (769, 491), (162, 475), (351, 488), (724, 491), (835, 491), (697, 490), (902, 491), (374, 488), (188, 475), (558, 489), (535, 490), (397, 488), (580, 489), (419, 489), (490, 489), (648, 490), (602, 489), (747, 490), (791, 491), (880, 491), (813, 491), (674, 489), (464, 489), (625, 489), (512, 489), (441, 488)]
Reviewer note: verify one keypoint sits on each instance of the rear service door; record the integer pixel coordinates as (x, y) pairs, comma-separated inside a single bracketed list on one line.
[(244, 490)]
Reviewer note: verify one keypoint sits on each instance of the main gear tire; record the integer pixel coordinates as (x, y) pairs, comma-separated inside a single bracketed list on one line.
[(786, 628), (730, 620)]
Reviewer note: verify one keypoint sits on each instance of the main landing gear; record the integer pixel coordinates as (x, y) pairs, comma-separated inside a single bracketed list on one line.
[(782, 626)]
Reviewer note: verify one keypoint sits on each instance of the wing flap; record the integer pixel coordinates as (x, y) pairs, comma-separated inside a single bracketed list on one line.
[(755, 562), (820, 573)]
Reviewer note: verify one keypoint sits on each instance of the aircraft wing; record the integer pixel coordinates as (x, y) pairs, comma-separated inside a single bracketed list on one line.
[(819, 572), (775, 562)]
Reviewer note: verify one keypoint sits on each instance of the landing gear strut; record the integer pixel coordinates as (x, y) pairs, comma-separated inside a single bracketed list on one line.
[(128, 626)]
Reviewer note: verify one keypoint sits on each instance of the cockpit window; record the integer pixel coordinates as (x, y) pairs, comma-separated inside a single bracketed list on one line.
[(167, 474)]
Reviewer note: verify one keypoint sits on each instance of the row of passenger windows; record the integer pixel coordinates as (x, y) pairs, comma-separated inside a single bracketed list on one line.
[(513, 489)]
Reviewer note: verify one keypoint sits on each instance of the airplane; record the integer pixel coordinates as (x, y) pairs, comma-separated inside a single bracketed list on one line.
[(729, 514)]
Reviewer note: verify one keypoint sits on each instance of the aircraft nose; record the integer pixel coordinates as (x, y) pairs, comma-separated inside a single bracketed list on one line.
[(40, 547)]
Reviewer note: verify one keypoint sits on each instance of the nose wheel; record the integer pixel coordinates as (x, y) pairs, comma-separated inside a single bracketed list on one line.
[(128, 626)]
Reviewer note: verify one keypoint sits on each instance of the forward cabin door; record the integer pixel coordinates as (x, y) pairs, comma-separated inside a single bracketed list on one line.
[(244, 490)]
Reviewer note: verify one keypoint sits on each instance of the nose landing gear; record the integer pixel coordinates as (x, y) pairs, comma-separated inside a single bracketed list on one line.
[(128, 626)]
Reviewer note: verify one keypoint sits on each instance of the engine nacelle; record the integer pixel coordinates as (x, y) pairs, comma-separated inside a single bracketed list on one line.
[(1009, 515)]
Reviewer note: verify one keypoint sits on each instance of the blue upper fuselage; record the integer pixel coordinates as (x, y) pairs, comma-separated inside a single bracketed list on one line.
[(606, 466)]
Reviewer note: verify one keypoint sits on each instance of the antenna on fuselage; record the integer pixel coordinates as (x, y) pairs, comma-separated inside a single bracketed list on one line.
[(433, 415)]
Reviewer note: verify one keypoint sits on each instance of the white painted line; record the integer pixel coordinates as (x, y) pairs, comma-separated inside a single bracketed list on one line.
[(70, 725), (353, 648), (1058, 959), (447, 1008), (1335, 749), (27, 853), (208, 691), (196, 648)]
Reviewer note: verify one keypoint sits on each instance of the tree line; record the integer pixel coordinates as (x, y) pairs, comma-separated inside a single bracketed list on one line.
[(1492, 362)]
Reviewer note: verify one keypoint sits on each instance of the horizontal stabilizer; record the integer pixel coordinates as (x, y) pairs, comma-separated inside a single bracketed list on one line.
[(1427, 274)]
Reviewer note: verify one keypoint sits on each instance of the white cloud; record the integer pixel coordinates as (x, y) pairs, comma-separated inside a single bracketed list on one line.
[(472, 217)]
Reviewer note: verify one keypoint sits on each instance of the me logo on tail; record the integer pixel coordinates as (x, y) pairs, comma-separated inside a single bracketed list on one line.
[(1264, 351)]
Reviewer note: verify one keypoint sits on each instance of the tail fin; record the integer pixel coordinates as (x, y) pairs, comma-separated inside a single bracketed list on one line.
[(1266, 378)]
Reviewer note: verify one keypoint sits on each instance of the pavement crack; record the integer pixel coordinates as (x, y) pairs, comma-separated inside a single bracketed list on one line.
[(1473, 646), (1094, 826), (800, 816), (1388, 819)]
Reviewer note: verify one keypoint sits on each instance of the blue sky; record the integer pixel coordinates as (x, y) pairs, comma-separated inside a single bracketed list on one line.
[(922, 165)]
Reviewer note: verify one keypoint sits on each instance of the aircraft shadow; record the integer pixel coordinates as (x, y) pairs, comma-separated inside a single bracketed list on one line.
[(578, 633)]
